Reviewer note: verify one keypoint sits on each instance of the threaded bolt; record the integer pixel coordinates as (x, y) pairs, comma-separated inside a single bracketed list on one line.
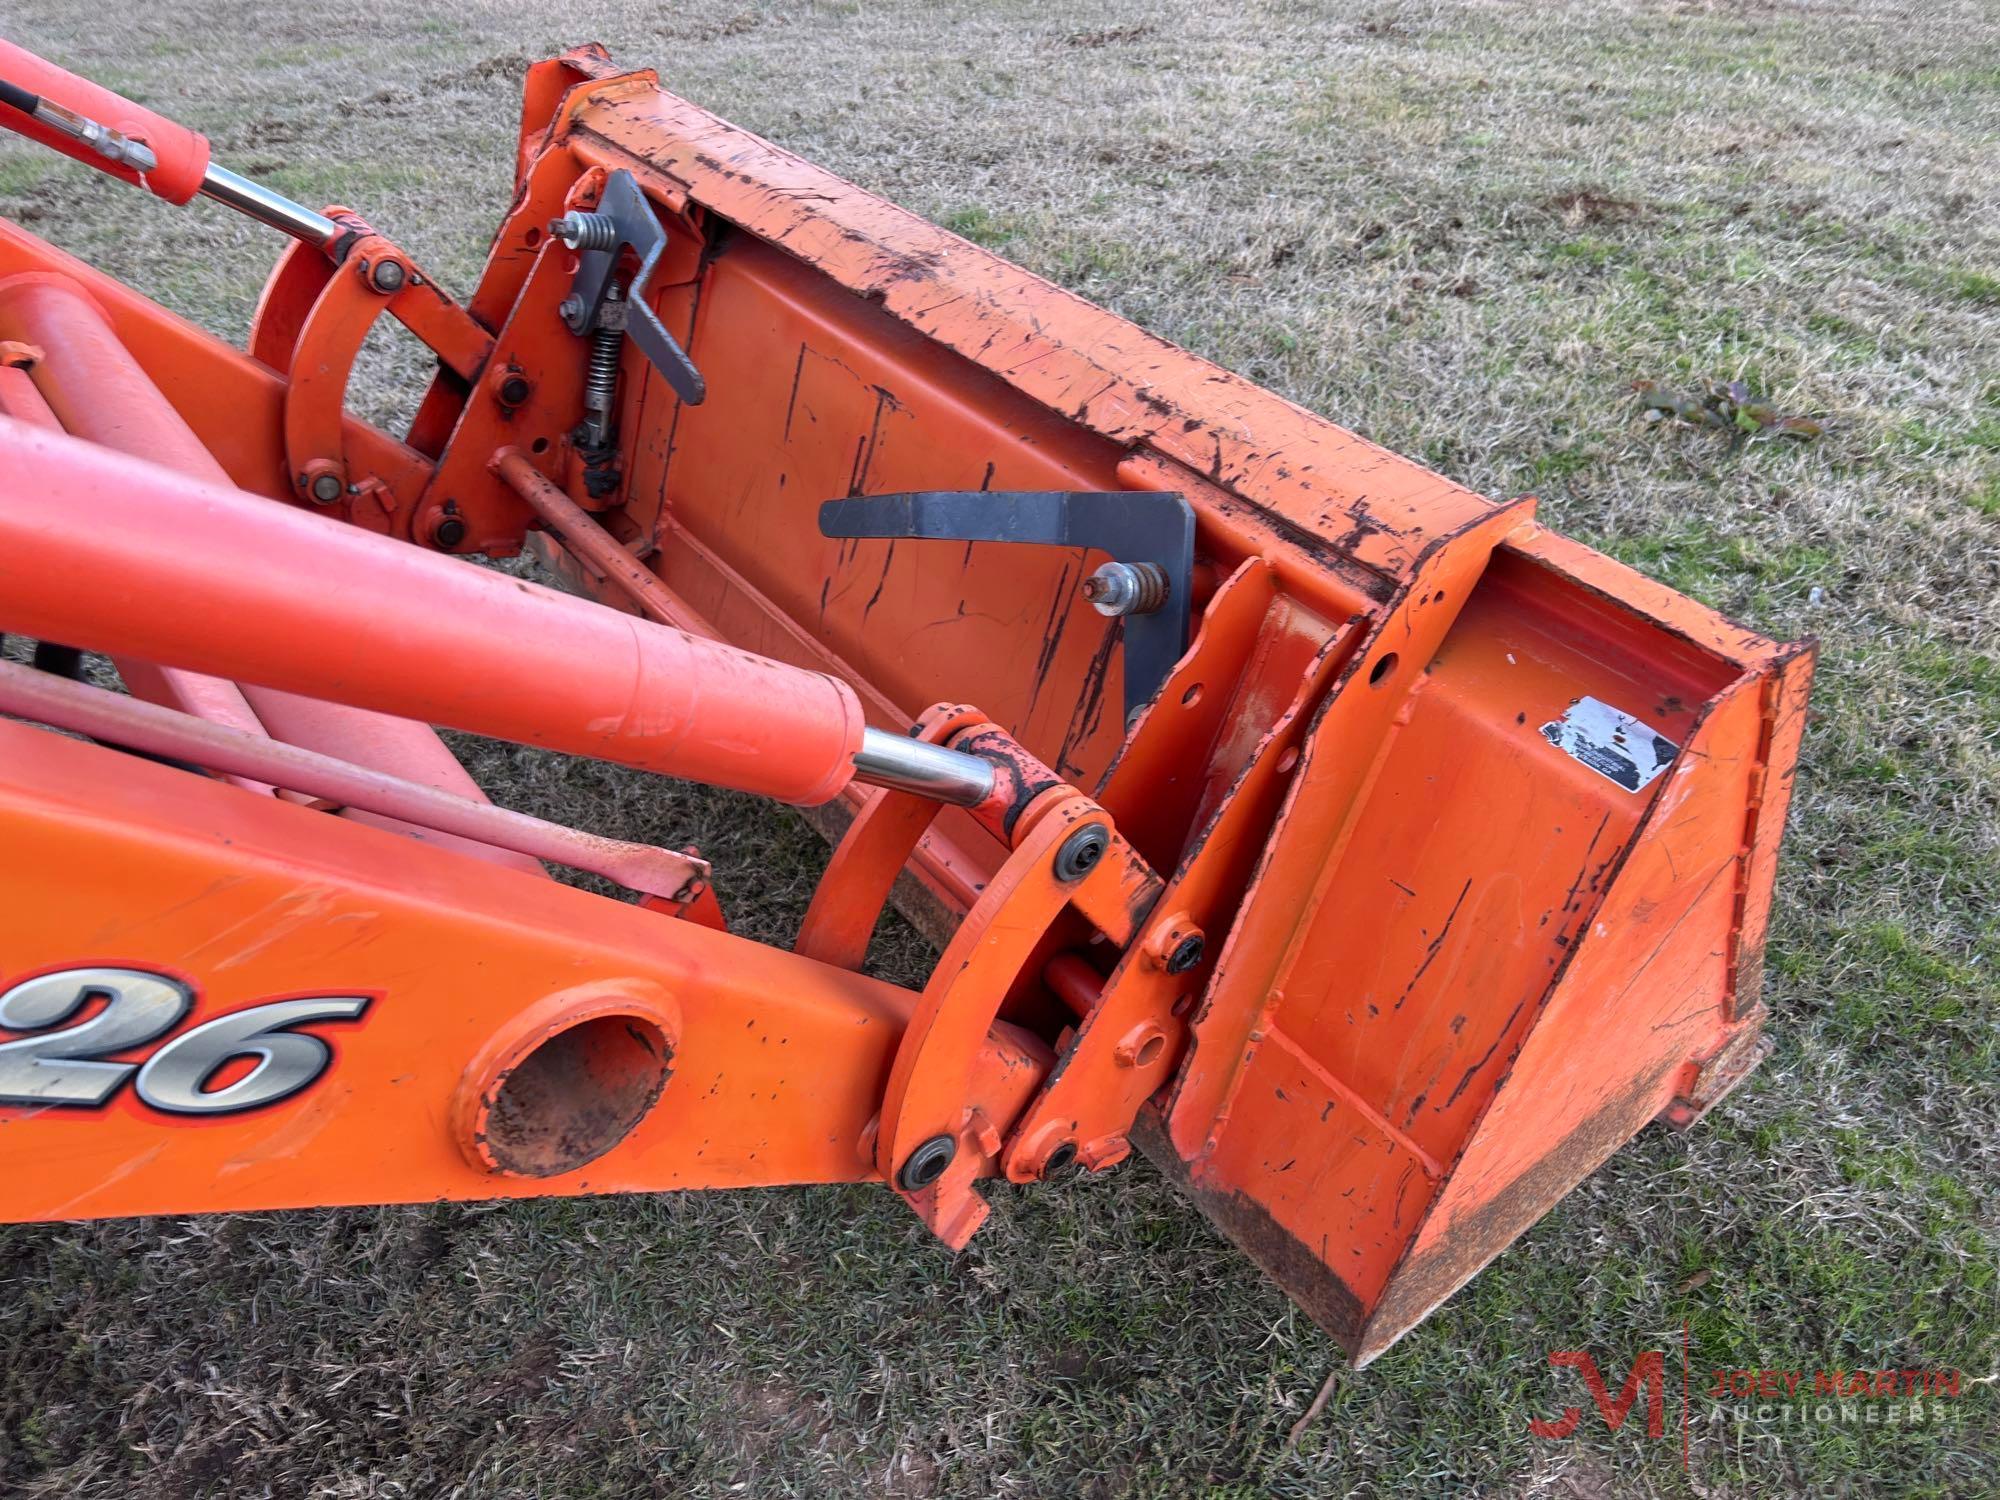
[(1126, 588), (581, 231)]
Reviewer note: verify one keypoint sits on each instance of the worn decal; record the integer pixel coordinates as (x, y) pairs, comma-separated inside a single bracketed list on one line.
[(1612, 743)]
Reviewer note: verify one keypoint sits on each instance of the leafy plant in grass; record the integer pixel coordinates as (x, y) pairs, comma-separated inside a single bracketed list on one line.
[(1727, 405)]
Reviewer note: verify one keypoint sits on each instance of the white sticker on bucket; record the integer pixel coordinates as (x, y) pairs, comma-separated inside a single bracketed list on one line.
[(1612, 743)]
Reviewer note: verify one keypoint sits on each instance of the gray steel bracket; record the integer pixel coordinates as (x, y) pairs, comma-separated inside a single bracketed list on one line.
[(638, 227), (1133, 526)]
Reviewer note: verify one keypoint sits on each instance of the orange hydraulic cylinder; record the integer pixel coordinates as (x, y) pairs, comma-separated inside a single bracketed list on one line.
[(182, 153), (107, 397), (98, 391), (104, 551)]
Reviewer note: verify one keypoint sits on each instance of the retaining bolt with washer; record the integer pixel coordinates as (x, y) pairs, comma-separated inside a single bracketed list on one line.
[(1080, 852), (1126, 588), (926, 1164)]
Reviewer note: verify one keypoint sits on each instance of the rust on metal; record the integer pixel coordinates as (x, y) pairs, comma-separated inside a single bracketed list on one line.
[(574, 1097)]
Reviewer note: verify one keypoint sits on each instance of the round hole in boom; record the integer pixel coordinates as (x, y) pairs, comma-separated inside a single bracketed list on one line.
[(576, 1095), (1381, 669)]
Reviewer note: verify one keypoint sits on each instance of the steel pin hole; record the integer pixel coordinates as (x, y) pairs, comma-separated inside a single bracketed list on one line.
[(565, 1085)]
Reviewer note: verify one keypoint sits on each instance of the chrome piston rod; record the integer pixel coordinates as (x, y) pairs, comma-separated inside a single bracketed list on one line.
[(268, 206), (906, 765)]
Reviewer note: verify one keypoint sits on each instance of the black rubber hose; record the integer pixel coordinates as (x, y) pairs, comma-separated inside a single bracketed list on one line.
[(13, 94), (62, 661)]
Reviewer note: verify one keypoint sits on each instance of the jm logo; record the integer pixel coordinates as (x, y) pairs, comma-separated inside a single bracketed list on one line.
[(1648, 1373)]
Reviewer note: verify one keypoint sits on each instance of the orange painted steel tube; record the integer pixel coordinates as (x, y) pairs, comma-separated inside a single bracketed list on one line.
[(576, 529), (19, 398), (401, 748), (141, 559), (90, 380), (1075, 983), (134, 724), (95, 389)]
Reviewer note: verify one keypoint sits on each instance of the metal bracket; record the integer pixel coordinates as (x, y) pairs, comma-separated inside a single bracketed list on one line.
[(1133, 526), (635, 224)]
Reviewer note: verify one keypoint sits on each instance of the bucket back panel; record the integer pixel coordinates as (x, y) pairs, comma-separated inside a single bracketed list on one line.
[(815, 394)]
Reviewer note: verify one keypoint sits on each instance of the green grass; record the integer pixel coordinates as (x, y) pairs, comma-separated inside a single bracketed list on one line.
[(1974, 286), (1463, 230)]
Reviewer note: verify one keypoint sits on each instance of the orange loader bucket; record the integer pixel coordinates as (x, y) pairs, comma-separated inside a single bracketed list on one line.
[(1373, 858)]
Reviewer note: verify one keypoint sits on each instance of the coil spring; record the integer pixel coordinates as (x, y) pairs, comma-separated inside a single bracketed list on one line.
[(600, 382), (582, 231), (1150, 587)]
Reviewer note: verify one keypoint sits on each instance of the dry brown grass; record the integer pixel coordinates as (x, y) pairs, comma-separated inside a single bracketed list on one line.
[(1462, 229)]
